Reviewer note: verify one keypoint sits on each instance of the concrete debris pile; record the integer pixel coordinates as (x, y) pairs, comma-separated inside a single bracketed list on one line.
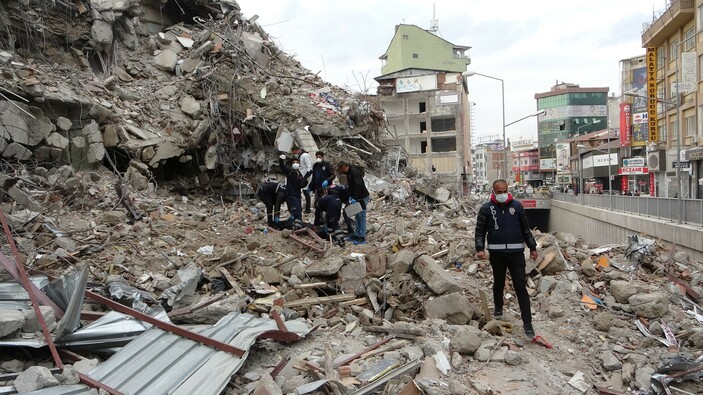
[(187, 85), (406, 305)]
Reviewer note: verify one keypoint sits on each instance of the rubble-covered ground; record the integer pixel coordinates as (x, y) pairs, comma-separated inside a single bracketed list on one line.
[(132, 139)]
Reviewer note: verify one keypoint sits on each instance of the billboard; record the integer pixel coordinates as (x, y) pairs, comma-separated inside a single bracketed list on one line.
[(563, 155), (640, 116)]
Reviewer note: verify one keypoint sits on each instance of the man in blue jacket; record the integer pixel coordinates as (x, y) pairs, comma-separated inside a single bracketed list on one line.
[(504, 222)]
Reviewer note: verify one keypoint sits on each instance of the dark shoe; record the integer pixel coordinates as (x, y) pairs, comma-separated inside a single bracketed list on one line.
[(359, 240), (529, 330), (498, 314)]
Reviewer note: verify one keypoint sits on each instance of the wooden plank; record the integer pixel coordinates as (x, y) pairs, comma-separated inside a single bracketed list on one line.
[(484, 305), (318, 300)]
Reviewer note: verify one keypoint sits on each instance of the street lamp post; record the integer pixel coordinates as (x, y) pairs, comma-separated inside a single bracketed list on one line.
[(502, 96), (679, 135)]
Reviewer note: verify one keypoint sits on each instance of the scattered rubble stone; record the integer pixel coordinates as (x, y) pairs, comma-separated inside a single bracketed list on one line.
[(10, 322), (652, 305), (34, 378)]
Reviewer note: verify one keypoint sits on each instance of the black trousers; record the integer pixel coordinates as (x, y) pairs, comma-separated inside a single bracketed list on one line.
[(268, 202), (293, 203), (515, 262), (307, 200)]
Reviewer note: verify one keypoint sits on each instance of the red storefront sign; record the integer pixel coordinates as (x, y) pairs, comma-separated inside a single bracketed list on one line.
[(528, 203), (633, 170), (625, 124), (652, 190)]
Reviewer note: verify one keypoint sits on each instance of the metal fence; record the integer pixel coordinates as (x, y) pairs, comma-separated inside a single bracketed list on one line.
[(655, 207)]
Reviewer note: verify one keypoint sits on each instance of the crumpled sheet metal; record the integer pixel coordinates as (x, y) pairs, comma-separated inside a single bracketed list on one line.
[(109, 332), (13, 291), (158, 362)]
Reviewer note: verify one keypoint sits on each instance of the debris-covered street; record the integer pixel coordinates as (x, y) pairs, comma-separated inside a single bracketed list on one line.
[(137, 259)]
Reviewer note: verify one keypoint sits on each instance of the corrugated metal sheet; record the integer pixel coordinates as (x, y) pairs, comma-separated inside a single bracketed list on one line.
[(12, 290), (159, 362), (77, 389)]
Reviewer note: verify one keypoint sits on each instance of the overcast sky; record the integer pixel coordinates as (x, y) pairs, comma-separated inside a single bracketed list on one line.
[(529, 44)]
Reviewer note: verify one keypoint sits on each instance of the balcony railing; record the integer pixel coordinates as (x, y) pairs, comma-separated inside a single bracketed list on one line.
[(677, 15)]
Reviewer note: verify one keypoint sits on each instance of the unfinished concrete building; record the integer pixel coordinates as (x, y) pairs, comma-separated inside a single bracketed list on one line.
[(425, 101)]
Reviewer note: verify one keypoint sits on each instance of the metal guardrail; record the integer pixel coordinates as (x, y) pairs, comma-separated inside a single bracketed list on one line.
[(655, 207)]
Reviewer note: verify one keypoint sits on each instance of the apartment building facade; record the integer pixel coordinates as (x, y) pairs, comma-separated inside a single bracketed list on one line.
[(570, 110), (674, 64), (424, 97)]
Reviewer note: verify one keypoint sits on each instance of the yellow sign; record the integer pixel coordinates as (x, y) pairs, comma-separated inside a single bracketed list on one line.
[(652, 93)]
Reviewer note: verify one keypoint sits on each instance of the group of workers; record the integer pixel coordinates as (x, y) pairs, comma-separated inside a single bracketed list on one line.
[(304, 178)]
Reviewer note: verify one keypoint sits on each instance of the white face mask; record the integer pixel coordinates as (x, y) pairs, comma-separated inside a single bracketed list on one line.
[(296, 166), (318, 160), (501, 197)]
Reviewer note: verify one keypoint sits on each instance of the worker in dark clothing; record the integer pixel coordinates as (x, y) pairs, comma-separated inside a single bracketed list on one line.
[(504, 222), (328, 209), (322, 174), (272, 194), (295, 181), (357, 193)]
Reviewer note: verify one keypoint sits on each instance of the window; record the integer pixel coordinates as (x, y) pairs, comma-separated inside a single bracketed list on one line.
[(423, 127), (423, 107), (444, 144), (674, 125), (690, 125), (415, 56), (690, 39), (662, 131), (674, 50), (699, 20), (443, 124), (423, 147), (405, 36), (661, 58), (700, 67)]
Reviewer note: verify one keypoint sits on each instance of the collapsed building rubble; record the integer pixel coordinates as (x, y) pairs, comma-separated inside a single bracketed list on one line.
[(105, 102)]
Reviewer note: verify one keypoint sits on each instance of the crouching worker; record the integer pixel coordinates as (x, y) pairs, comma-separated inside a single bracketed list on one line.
[(328, 209), (272, 194)]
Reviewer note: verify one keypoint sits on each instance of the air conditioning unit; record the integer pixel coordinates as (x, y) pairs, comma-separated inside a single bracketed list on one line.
[(653, 161)]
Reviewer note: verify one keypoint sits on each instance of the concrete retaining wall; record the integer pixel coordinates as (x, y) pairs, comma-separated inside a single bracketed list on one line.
[(600, 227)]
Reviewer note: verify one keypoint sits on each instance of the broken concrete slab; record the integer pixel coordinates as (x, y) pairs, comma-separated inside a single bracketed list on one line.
[(166, 60), (58, 141), (437, 279), (101, 32), (325, 267), (10, 322), (466, 341), (64, 124), (622, 290), (402, 261), (190, 106), (16, 151), (31, 323), (13, 121), (35, 378), (165, 150), (652, 305), (454, 308)]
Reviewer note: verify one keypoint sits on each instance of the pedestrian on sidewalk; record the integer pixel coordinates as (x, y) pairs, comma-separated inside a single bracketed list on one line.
[(504, 222)]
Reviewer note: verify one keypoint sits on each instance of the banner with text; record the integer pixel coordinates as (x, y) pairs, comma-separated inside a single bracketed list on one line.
[(625, 123), (652, 92)]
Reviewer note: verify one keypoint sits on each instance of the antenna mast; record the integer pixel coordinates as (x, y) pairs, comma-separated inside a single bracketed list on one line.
[(434, 23)]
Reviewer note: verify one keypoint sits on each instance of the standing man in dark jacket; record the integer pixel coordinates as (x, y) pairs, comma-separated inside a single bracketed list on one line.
[(322, 174), (357, 193), (272, 194), (504, 221), (295, 181)]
